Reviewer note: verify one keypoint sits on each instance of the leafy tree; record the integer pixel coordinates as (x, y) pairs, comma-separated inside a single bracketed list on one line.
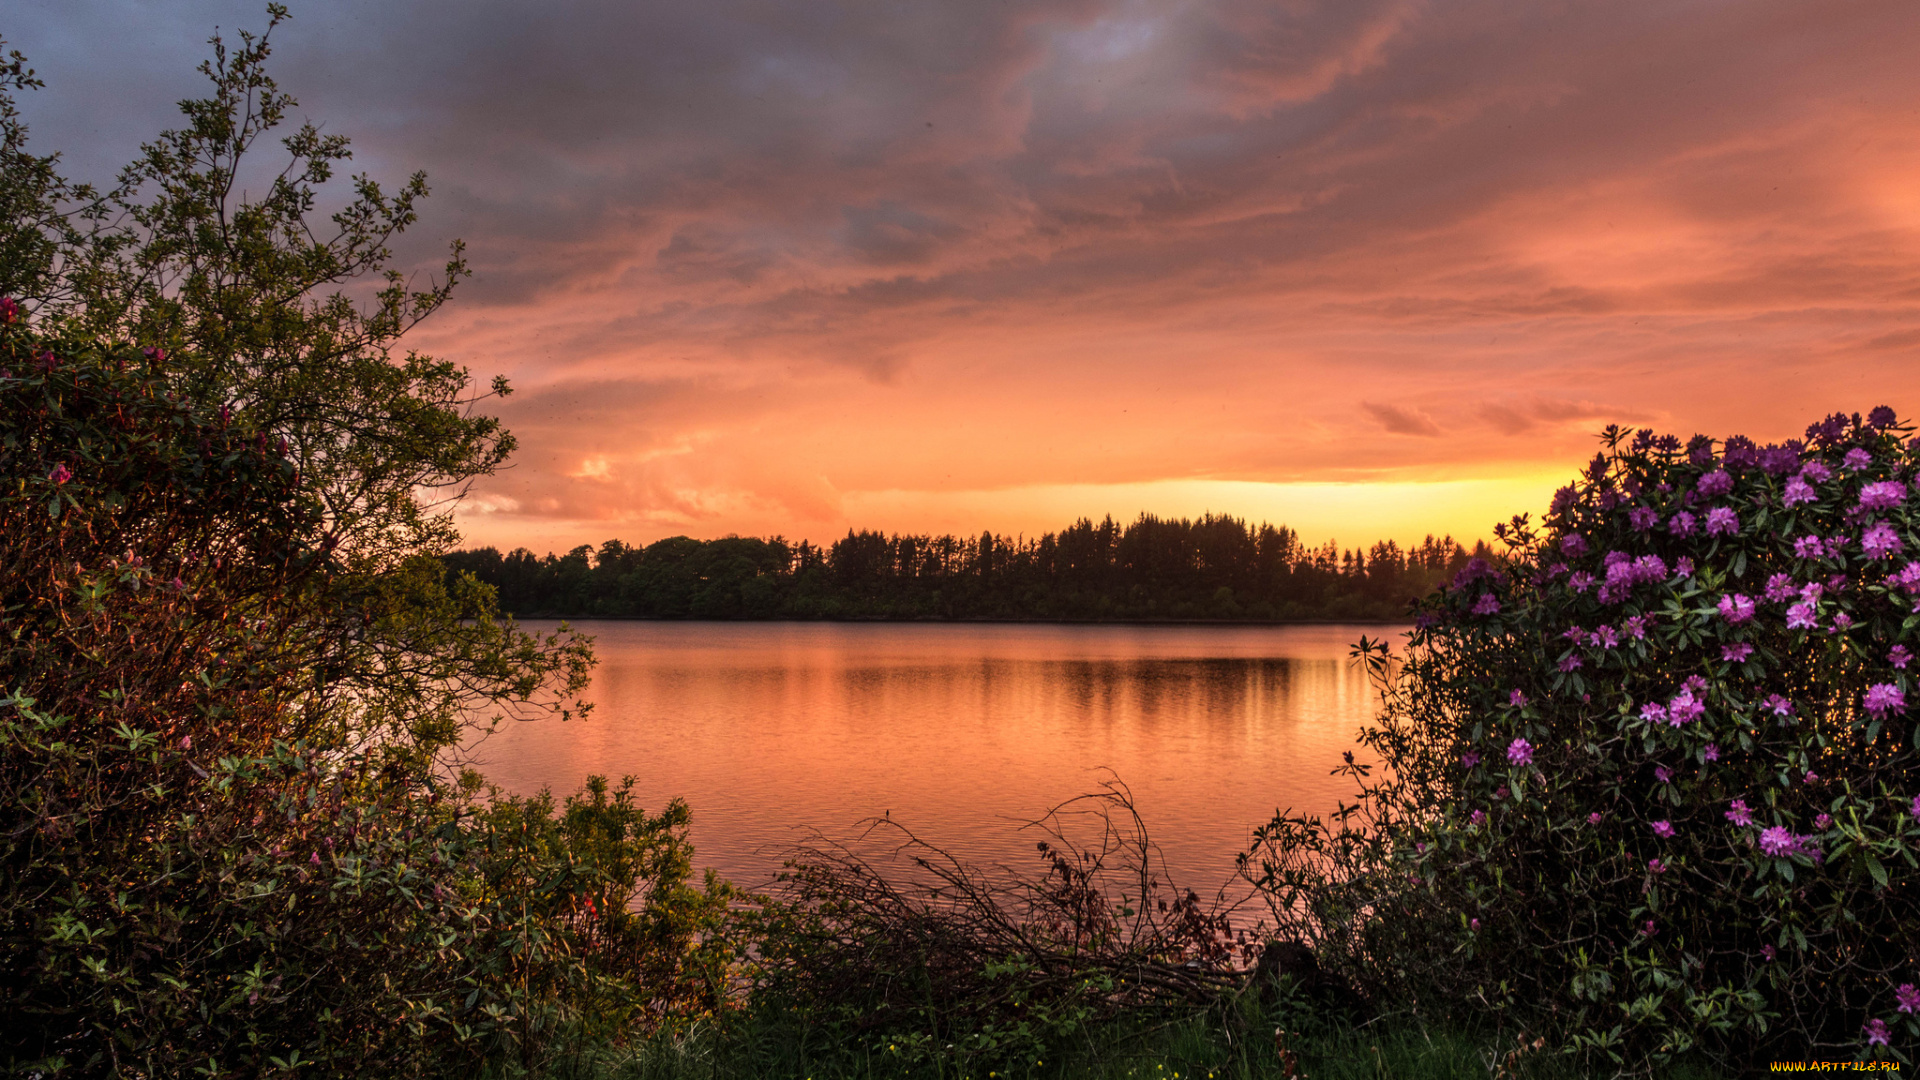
[(249, 303), (232, 670)]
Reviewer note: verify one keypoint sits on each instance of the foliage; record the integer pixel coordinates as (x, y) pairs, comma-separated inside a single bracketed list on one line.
[(199, 869), (232, 838), (1651, 776), (1214, 568), (251, 300)]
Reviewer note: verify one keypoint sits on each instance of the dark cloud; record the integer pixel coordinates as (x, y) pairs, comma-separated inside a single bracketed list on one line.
[(1023, 221)]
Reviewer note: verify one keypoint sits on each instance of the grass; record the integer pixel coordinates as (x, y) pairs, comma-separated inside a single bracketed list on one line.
[(1237, 1046)]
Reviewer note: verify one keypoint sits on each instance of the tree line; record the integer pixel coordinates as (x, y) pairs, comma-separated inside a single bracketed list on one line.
[(1217, 567)]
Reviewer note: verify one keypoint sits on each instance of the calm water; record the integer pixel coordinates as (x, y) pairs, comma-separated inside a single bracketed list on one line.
[(959, 731)]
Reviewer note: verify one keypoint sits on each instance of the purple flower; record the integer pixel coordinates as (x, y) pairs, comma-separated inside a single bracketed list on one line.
[(1798, 491), (1574, 544), (1655, 865), (1816, 472), (1800, 616), (1777, 841), (1473, 924), (1882, 495), (1520, 752), (1580, 581), (1809, 777), (1593, 818), (1653, 711), (1715, 484), (1856, 459), (1779, 705), (1780, 587), (1909, 575), (1684, 708), (1637, 626), (1736, 654), (1683, 566), (1710, 752), (1663, 829), (1603, 638), (1736, 608), (1649, 928), (1739, 814), (1470, 758), (1477, 817), (1663, 774), (1643, 517), (60, 474), (1808, 547), (1915, 808), (1769, 952), (1564, 499), (1488, 604), (1681, 524), (1882, 698), (1722, 521), (1841, 621), (1899, 657), (1570, 662), (1882, 418), (1908, 996), (1876, 1032), (1823, 822), (1880, 541), (1517, 699)]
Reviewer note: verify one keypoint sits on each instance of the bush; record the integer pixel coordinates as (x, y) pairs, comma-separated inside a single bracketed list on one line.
[(202, 869), (1651, 777)]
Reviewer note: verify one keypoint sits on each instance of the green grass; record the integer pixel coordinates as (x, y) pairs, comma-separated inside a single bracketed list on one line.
[(1209, 1047)]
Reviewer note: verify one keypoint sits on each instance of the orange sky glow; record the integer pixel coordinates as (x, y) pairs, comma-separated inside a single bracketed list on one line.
[(1369, 268)]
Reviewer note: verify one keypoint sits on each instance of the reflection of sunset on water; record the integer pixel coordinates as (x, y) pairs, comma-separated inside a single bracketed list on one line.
[(958, 731)]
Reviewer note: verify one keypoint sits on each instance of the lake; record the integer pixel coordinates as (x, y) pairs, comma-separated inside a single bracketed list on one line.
[(960, 731)]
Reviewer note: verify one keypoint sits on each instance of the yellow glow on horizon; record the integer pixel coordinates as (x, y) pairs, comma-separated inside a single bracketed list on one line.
[(1352, 514)]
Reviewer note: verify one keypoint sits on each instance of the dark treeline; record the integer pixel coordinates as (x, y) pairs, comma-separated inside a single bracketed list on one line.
[(1213, 568)]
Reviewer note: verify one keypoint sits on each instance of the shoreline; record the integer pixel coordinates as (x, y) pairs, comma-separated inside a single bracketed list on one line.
[(972, 621)]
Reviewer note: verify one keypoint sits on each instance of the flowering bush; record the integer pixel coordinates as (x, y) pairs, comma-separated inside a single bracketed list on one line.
[(1652, 776)]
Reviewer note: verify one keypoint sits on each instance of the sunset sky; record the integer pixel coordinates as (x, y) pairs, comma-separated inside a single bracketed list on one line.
[(1368, 269)]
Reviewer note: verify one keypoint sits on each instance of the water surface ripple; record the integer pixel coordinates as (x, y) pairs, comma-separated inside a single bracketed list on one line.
[(958, 730)]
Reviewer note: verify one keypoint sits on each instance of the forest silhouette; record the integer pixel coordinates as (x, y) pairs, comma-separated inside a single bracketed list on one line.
[(1215, 568)]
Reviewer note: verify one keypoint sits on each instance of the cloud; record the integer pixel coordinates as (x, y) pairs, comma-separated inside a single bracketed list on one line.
[(753, 260), (1522, 417), (1401, 420)]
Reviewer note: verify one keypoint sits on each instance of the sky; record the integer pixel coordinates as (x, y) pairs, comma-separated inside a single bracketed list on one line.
[(1369, 269)]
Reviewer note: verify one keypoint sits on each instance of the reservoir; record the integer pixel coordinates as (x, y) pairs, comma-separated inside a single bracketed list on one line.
[(961, 732)]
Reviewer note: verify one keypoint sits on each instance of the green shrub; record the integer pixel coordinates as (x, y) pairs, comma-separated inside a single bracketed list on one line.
[(1651, 779), (207, 865)]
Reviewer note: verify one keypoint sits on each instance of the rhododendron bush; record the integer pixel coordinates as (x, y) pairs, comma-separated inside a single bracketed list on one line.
[(1651, 777)]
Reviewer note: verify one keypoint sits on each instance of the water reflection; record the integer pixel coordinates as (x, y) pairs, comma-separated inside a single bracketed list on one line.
[(959, 730)]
